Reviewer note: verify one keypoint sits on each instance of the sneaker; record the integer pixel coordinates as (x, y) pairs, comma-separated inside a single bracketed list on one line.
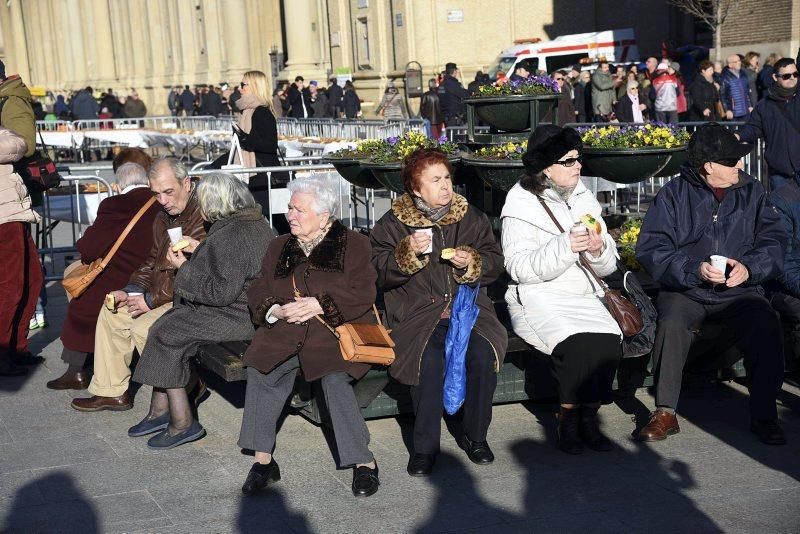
[(41, 320), (34, 324)]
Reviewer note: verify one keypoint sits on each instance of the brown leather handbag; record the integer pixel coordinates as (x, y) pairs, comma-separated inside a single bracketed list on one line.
[(77, 280), (361, 342), (624, 312)]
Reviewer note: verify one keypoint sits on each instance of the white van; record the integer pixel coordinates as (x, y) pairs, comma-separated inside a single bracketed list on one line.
[(614, 46)]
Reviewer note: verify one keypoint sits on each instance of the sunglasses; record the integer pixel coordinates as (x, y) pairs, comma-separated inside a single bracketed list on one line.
[(242, 85), (569, 162), (728, 162), (788, 75)]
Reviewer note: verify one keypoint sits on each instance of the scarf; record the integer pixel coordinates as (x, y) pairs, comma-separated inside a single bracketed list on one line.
[(782, 93), (563, 192), (248, 105), (433, 214), (309, 246)]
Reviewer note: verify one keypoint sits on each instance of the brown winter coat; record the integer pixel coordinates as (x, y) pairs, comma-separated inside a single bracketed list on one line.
[(157, 276), (113, 216), (338, 273), (418, 289)]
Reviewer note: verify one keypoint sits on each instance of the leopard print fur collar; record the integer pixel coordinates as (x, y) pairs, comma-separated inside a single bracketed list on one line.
[(405, 211)]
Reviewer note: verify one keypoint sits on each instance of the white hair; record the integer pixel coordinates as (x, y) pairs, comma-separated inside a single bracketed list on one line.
[(177, 168), (221, 195), (324, 190), (130, 174)]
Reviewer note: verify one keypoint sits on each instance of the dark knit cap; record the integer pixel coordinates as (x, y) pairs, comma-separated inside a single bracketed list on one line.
[(547, 144)]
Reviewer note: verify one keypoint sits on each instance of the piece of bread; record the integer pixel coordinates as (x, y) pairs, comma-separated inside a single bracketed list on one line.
[(180, 245), (110, 302), (591, 223), (448, 253)]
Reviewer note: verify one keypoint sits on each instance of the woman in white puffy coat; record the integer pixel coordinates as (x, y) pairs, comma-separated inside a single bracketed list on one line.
[(555, 303)]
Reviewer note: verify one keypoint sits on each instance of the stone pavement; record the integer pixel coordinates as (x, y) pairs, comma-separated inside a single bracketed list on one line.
[(66, 471)]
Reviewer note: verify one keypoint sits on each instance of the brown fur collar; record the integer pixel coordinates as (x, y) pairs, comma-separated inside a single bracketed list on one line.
[(327, 256), (404, 209)]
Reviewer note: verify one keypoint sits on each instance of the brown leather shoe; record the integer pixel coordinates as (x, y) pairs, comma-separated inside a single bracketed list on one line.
[(79, 380), (96, 403), (662, 424)]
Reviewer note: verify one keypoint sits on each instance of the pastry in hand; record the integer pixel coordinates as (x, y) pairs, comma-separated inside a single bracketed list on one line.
[(110, 302), (448, 253), (180, 245), (591, 223)]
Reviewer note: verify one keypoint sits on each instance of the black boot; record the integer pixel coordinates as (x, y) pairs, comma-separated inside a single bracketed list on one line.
[(260, 475), (589, 429), (569, 439)]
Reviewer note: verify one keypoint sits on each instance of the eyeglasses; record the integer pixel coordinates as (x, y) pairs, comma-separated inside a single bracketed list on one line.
[(559, 79), (243, 85), (729, 162), (569, 162), (788, 75)]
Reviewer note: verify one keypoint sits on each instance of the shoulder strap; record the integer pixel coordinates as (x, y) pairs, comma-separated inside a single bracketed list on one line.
[(297, 293), (785, 112), (581, 259), (126, 231)]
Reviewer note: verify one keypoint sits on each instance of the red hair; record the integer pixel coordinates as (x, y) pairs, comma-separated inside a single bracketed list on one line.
[(418, 161)]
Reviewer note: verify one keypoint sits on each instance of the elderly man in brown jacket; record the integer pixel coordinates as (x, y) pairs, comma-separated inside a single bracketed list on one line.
[(148, 294)]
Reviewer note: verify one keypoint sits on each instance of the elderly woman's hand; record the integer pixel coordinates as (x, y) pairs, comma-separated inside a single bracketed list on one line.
[(176, 259), (579, 241), (193, 244), (420, 241), (461, 259), (301, 310), (596, 244)]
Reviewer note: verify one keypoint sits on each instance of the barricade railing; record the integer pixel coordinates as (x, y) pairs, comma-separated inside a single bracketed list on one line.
[(75, 207)]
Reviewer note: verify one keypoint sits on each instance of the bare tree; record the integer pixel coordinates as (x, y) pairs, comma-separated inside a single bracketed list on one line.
[(712, 13)]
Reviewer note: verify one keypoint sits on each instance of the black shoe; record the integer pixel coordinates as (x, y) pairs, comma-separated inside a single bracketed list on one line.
[(260, 475), (421, 465), (164, 440), (148, 426), (589, 429), (768, 432), (365, 481), (569, 438), (477, 451)]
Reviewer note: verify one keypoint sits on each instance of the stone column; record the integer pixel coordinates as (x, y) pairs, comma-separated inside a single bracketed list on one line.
[(102, 59), (302, 27), (234, 37), (16, 49)]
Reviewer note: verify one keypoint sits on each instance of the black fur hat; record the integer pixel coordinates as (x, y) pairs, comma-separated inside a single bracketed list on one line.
[(547, 144)]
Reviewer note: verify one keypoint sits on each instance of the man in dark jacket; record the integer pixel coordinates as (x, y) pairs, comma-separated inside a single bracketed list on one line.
[(451, 97), (84, 106), (187, 101), (735, 90), (113, 215), (300, 100), (710, 239), (148, 294), (776, 119), (430, 109), (335, 99)]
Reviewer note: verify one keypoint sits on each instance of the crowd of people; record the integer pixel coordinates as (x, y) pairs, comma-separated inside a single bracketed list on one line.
[(231, 275)]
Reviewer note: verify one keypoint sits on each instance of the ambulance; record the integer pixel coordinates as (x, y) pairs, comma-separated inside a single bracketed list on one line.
[(614, 46)]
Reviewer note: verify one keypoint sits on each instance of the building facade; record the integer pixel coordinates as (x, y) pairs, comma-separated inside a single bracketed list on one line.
[(151, 45)]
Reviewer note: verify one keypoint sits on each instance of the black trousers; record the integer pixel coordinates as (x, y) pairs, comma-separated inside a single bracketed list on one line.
[(756, 330), (585, 365), (427, 396), (73, 357)]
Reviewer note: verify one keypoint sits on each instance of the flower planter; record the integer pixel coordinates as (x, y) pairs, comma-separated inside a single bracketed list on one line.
[(511, 113), (500, 174), (628, 165), (354, 172), (674, 165), (388, 174)]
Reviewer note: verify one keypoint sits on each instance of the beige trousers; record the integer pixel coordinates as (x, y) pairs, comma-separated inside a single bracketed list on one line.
[(117, 335)]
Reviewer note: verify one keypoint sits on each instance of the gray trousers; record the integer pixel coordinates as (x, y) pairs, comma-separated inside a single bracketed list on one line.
[(266, 396)]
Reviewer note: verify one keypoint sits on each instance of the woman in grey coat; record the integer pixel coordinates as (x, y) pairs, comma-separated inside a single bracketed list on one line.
[(211, 290)]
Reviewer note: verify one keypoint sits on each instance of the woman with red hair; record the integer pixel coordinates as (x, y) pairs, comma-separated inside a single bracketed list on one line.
[(428, 244)]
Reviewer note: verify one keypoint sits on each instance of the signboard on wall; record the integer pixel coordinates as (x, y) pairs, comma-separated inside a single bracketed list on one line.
[(455, 15)]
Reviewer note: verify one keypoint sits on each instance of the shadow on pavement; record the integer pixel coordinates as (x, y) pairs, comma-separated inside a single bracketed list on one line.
[(73, 512)]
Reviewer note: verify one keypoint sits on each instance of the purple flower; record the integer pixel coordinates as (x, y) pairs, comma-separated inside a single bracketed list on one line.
[(392, 140), (442, 139)]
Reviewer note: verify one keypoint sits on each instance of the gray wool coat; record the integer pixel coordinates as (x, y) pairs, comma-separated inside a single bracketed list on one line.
[(211, 299)]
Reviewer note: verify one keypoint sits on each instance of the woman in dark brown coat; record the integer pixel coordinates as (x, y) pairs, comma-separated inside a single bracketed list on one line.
[(418, 288), (322, 269), (113, 216)]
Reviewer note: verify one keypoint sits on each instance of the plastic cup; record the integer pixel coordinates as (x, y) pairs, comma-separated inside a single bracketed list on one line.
[(429, 233), (720, 263), (175, 234)]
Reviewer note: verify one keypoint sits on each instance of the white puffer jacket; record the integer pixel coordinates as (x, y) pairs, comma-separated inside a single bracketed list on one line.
[(551, 296), (15, 202)]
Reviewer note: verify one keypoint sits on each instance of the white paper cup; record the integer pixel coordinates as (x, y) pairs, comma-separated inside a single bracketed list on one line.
[(578, 228), (720, 263), (429, 233), (135, 294), (175, 234)]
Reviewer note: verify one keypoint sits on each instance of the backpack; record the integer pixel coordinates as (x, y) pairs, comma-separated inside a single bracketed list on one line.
[(38, 172)]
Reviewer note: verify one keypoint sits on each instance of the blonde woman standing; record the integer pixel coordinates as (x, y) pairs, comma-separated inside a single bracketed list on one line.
[(258, 136)]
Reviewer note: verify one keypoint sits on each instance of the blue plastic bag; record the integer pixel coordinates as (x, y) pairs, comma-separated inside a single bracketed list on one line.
[(462, 319)]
